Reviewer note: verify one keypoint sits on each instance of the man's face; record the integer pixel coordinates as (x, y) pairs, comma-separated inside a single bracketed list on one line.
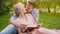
[(29, 7)]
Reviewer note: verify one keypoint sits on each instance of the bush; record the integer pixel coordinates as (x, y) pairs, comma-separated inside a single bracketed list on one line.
[(7, 5), (4, 9)]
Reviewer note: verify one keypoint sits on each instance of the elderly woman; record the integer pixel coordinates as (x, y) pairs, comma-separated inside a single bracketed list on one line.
[(26, 24)]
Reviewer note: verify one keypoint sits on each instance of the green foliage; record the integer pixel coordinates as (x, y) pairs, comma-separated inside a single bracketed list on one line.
[(7, 5), (48, 4), (4, 9)]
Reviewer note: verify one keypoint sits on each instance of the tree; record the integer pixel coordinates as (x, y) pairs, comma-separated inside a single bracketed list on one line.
[(4, 9), (48, 4), (6, 5)]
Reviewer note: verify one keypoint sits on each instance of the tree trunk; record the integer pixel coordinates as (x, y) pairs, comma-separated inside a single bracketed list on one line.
[(55, 9), (48, 9)]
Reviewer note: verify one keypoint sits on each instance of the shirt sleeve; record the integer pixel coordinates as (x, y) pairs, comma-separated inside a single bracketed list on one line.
[(36, 15), (13, 17)]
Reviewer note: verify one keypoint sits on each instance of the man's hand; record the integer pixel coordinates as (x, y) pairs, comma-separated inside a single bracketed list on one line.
[(15, 23)]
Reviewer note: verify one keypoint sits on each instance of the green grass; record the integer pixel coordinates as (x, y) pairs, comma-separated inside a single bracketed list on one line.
[(4, 21), (49, 20)]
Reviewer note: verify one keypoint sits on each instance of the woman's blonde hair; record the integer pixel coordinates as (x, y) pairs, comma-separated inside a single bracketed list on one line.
[(17, 6)]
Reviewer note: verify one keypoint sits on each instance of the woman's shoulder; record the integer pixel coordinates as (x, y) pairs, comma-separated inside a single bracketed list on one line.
[(17, 19), (28, 14)]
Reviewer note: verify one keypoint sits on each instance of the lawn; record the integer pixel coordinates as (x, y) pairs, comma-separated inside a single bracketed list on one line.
[(49, 20), (4, 21)]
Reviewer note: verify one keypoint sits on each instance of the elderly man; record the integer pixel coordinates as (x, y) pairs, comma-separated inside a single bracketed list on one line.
[(30, 7)]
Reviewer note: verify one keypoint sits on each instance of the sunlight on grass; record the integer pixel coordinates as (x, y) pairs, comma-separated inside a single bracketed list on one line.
[(50, 20)]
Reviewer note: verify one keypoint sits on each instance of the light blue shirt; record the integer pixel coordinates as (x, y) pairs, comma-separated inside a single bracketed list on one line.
[(35, 15)]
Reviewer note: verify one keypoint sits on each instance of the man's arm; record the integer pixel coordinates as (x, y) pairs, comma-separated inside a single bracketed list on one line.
[(12, 20), (15, 21), (13, 17), (35, 15)]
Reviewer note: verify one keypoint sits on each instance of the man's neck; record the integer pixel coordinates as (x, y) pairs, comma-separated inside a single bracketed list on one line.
[(28, 12)]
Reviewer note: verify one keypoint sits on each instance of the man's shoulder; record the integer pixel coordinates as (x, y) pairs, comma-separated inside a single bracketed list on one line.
[(35, 11)]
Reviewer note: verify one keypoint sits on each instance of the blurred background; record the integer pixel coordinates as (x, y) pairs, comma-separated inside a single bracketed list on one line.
[(49, 11)]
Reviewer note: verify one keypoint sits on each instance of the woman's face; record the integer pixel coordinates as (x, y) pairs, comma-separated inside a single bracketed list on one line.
[(22, 10)]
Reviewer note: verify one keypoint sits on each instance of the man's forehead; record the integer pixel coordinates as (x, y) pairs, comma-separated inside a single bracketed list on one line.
[(28, 4)]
